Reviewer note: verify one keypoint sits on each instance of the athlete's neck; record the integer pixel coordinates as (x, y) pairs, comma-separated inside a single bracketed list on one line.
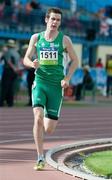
[(50, 35)]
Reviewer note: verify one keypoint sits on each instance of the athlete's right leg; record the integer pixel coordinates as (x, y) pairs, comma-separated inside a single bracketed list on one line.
[(38, 102), (38, 137), (38, 129)]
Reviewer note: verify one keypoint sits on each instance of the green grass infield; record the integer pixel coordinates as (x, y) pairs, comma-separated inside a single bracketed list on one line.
[(99, 163)]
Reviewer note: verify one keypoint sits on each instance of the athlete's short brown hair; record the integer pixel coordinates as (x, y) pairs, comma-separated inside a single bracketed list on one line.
[(54, 10)]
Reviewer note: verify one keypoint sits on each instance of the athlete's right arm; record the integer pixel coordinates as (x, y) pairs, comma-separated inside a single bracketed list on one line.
[(27, 61)]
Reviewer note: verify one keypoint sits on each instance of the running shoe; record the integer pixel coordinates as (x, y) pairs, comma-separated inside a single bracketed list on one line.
[(39, 165)]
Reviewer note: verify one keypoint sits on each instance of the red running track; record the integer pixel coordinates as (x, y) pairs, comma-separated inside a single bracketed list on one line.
[(17, 149)]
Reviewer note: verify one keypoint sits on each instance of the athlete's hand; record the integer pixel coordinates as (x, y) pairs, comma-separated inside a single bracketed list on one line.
[(65, 83), (35, 64)]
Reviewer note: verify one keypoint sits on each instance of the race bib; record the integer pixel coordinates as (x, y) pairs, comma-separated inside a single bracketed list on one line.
[(49, 56)]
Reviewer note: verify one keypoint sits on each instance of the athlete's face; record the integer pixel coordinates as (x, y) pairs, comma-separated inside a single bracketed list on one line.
[(54, 21)]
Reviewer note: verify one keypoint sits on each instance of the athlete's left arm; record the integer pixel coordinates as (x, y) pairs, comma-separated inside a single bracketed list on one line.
[(74, 60)]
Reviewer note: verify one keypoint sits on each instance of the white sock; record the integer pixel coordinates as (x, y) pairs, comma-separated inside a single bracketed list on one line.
[(40, 157)]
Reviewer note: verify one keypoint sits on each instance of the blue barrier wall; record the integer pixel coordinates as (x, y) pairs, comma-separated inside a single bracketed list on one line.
[(99, 76), (93, 5), (89, 5), (65, 4)]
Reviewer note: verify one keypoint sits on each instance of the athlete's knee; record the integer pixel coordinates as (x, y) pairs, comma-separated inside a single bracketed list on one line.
[(49, 125), (38, 118), (49, 130)]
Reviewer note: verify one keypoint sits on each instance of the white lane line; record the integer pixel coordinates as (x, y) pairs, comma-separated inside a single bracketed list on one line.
[(15, 160), (71, 137), (28, 139), (16, 133), (59, 129), (15, 140)]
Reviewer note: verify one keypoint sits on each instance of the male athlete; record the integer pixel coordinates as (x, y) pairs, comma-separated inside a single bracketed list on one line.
[(47, 89)]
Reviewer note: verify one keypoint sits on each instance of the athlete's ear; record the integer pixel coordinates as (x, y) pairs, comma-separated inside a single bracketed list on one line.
[(46, 19)]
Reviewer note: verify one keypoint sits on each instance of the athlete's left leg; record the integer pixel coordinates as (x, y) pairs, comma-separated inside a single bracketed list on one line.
[(50, 125), (53, 108)]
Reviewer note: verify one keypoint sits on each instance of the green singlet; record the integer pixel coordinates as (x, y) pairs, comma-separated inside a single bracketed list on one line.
[(46, 90)]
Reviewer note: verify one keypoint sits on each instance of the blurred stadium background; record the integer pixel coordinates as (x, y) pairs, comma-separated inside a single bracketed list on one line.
[(87, 22)]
